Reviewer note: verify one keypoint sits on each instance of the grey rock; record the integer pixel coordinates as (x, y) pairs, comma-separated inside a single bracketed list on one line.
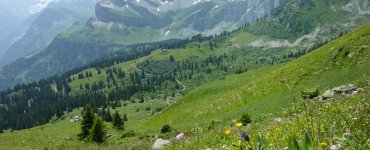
[(328, 94), (319, 98), (160, 143), (345, 89), (278, 120)]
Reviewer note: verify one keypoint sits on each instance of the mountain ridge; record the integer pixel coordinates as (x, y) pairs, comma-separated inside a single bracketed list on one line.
[(113, 33)]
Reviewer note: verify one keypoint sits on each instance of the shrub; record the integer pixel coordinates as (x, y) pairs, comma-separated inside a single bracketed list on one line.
[(128, 133), (245, 119), (165, 129), (309, 94)]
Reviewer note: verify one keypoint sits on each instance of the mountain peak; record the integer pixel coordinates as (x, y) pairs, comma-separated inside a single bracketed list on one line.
[(41, 5)]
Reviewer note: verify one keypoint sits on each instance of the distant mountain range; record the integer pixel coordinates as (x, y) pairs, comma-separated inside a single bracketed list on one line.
[(119, 23), (15, 16), (48, 19), (177, 18)]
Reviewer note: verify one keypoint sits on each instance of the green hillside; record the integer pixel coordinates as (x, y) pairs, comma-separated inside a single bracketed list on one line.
[(263, 92), (267, 90)]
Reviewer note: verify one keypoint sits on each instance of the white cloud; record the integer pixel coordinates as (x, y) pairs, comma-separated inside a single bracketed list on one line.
[(39, 6)]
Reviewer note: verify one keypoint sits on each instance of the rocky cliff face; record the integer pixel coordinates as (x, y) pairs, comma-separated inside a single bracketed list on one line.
[(182, 18), (366, 5)]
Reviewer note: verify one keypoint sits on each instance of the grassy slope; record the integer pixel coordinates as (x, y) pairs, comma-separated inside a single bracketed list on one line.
[(259, 92), (341, 121), (266, 91), (61, 134)]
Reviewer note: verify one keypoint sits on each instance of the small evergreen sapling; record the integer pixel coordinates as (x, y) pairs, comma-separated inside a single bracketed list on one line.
[(245, 119), (117, 121), (165, 129), (125, 118), (98, 132)]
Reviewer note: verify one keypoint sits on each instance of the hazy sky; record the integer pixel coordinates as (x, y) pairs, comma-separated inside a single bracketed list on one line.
[(24, 7)]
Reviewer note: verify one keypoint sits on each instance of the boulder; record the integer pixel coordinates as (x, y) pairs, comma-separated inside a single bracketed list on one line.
[(160, 143), (354, 93), (345, 89), (328, 94)]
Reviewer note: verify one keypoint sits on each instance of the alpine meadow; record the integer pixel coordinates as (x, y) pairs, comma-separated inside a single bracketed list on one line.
[(185, 74)]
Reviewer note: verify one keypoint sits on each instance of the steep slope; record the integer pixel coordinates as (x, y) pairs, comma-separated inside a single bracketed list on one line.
[(55, 18), (258, 92), (181, 18), (268, 90)]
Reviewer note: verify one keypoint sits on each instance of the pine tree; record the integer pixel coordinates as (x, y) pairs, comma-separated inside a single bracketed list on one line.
[(103, 113), (125, 118), (87, 122), (1, 124), (98, 132), (117, 121), (172, 59), (108, 116)]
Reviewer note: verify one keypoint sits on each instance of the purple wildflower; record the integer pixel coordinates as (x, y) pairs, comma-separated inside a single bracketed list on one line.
[(244, 136)]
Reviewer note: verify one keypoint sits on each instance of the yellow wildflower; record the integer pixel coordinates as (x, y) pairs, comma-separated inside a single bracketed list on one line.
[(228, 132), (323, 144), (239, 125)]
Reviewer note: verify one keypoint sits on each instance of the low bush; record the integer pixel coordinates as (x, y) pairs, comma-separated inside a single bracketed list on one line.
[(166, 129)]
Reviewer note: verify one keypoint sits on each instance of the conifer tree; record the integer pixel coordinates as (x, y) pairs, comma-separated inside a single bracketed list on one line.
[(1, 124), (117, 121), (87, 122), (103, 113), (172, 59), (108, 117), (98, 132), (125, 117)]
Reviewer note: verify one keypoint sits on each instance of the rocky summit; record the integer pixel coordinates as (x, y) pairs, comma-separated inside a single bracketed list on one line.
[(179, 18)]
